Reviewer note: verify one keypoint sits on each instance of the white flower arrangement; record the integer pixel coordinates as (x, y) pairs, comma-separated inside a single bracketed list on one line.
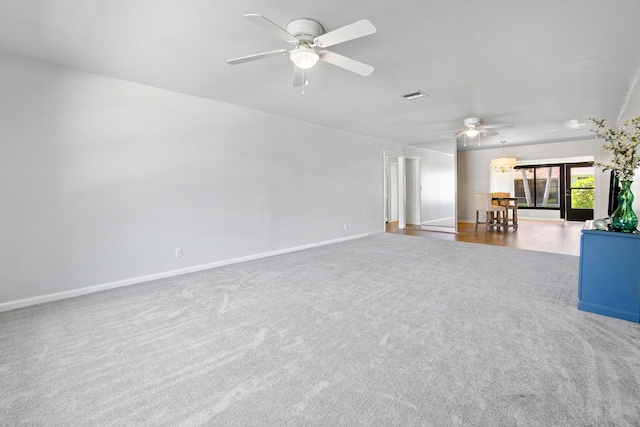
[(622, 143)]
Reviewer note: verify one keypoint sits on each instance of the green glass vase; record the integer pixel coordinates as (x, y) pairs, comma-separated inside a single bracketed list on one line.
[(623, 218)]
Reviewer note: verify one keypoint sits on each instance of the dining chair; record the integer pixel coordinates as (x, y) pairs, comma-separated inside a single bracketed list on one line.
[(495, 215), (511, 205)]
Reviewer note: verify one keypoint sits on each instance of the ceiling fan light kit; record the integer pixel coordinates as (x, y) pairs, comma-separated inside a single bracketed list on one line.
[(304, 57)]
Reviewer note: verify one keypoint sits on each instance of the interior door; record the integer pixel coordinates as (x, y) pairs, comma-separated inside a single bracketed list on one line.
[(579, 187)]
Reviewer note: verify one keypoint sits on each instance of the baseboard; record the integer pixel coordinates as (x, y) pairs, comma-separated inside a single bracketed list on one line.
[(532, 218), (521, 218), (12, 305), (437, 228)]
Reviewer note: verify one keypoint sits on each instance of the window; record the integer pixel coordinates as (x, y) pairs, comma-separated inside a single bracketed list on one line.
[(582, 188), (538, 186)]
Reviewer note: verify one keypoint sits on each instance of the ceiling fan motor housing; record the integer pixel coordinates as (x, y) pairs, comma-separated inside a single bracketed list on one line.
[(472, 122), (305, 29)]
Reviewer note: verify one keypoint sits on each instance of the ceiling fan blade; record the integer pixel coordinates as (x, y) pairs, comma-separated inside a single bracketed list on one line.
[(298, 77), (349, 32), (448, 132), (346, 63), (271, 27), (488, 133), (257, 56), (506, 125), (459, 135)]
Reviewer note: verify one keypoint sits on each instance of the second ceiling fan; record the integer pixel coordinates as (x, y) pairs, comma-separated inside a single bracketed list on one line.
[(309, 42), (474, 126)]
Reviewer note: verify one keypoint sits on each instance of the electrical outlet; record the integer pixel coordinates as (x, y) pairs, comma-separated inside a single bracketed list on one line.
[(178, 252), (349, 226), (344, 226)]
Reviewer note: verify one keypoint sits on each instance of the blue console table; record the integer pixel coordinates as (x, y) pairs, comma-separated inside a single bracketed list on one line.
[(609, 282)]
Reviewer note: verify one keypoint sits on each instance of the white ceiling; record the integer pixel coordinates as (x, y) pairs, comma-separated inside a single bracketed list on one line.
[(535, 64)]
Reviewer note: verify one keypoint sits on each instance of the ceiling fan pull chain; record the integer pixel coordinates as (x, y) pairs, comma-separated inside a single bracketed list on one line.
[(304, 80)]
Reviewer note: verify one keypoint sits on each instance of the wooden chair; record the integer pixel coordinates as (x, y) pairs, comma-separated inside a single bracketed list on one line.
[(495, 215), (511, 205)]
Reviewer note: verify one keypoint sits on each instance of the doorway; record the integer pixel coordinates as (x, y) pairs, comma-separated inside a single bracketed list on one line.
[(579, 191), (402, 191)]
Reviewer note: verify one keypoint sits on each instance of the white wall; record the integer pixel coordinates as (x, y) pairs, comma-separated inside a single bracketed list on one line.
[(474, 170), (101, 179)]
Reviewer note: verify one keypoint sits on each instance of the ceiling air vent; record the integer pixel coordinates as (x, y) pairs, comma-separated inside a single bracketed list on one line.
[(414, 95)]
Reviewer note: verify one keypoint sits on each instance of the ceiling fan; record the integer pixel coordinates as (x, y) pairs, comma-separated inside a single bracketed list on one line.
[(309, 42), (474, 127), (574, 124)]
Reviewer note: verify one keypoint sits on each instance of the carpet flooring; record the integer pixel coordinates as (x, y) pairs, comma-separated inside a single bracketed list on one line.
[(384, 330)]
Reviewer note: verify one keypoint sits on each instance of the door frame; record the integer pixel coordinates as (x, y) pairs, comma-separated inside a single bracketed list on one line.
[(569, 213), (398, 193), (390, 189)]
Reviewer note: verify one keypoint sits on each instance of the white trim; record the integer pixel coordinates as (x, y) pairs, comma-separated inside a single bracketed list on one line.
[(402, 194), (12, 305), (429, 225), (455, 183), (533, 218), (560, 160), (437, 228), (386, 157)]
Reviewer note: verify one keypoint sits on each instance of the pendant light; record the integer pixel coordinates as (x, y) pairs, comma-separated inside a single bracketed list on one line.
[(503, 164)]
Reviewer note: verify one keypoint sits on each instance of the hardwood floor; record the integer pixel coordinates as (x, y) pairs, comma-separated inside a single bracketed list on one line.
[(544, 236)]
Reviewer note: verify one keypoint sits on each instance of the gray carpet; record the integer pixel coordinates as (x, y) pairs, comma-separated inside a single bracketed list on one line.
[(385, 330)]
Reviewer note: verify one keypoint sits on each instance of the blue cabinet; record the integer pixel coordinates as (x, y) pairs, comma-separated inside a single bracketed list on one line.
[(609, 281)]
